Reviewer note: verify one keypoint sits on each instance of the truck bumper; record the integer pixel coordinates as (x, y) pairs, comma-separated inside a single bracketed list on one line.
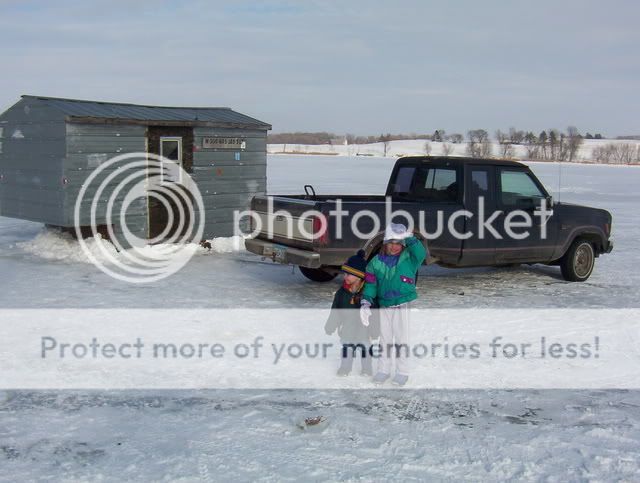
[(283, 254), (609, 247)]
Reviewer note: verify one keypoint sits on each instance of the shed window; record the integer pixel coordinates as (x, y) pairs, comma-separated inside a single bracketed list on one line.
[(171, 148)]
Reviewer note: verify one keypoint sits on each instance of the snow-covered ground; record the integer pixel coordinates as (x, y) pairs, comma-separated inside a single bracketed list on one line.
[(554, 435)]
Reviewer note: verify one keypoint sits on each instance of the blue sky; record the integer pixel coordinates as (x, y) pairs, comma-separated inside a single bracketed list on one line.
[(363, 67)]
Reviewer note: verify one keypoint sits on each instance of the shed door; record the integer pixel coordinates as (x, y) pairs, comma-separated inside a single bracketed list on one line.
[(175, 143)]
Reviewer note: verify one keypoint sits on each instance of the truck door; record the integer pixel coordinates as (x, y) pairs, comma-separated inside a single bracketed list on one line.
[(519, 190), (437, 191), (479, 248)]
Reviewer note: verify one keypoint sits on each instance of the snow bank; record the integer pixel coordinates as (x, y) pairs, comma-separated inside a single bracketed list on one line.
[(227, 244), (52, 244)]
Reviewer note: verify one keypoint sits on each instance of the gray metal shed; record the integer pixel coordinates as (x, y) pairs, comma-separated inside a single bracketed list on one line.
[(49, 146)]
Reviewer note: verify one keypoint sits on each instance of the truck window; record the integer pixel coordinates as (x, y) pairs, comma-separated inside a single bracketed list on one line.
[(479, 184), (402, 183), (437, 184), (516, 185)]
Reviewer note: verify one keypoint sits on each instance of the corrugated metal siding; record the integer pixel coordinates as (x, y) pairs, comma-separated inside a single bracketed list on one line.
[(33, 149), (228, 179), (87, 147)]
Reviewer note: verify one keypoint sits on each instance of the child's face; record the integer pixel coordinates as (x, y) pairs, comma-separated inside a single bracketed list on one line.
[(394, 248), (350, 279)]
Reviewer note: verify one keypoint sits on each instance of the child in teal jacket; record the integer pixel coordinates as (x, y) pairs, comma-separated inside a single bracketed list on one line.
[(391, 280)]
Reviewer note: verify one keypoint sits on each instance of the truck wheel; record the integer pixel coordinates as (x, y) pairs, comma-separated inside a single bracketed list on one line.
[(317, 274), (577, 264)]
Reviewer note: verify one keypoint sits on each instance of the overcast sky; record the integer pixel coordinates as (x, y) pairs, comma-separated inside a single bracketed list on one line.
[(363, 67)]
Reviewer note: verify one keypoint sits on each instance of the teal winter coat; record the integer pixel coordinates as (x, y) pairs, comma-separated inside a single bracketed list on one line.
[(391, 279)]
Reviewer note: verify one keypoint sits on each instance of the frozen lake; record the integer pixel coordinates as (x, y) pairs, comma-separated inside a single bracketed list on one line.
[(557, 435), (242, 279)]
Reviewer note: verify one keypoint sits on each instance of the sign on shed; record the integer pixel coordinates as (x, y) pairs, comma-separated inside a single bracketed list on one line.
[(223, 143)]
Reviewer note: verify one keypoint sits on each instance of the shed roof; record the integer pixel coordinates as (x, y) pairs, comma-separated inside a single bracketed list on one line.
[(78, 110)]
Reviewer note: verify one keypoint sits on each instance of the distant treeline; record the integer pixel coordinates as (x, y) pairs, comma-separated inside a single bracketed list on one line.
[(331, 138), (513, 136)]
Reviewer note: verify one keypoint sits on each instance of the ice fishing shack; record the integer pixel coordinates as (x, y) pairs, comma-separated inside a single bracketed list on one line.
[(50, 146)]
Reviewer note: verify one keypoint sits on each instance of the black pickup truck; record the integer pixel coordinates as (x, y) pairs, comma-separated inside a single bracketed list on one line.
[(434, 191)]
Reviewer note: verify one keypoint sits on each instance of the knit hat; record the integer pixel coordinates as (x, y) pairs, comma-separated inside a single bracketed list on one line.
[(356, 265), (396, 232)]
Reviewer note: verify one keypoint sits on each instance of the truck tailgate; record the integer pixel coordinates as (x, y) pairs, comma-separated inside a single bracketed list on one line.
[(277, 227)]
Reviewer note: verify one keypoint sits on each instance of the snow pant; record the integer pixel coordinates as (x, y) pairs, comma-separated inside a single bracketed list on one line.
[(394, 339), (352, 350)]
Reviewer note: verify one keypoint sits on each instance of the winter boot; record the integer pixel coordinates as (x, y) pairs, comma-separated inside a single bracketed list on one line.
[(380, 378), (400, 379)]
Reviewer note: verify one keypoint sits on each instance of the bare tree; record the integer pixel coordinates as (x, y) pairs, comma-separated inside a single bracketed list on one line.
[(574, 141), (486, 149), (427, 148), (613, 153), (542, 145), (516, 137), (479, 145), (456, 138), (531, 145), (447, 149), (385, 139), (505, 145)]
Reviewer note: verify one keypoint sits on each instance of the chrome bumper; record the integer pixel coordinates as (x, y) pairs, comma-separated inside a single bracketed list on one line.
[(283, 254)]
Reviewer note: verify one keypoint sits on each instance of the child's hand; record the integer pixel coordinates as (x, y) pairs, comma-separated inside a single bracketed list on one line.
[(365, 313)]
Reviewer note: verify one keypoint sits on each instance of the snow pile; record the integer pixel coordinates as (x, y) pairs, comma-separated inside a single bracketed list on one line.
[(52, 244), (229, 244)]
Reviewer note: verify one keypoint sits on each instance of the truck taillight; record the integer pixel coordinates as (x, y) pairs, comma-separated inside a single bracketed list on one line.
[(607, 229), (321, 229)]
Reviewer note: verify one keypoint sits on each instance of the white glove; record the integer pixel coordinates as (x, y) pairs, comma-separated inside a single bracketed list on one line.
[(365, 313)]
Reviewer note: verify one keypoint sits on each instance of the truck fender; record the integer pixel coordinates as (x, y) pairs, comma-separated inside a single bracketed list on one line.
[(592, 233), (372, 247)]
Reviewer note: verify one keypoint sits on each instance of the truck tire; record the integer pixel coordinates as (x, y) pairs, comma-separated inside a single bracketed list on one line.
[(317, 274), (577, 264)]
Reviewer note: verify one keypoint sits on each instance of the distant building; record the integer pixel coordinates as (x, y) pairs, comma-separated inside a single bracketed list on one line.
[(339, 141)]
